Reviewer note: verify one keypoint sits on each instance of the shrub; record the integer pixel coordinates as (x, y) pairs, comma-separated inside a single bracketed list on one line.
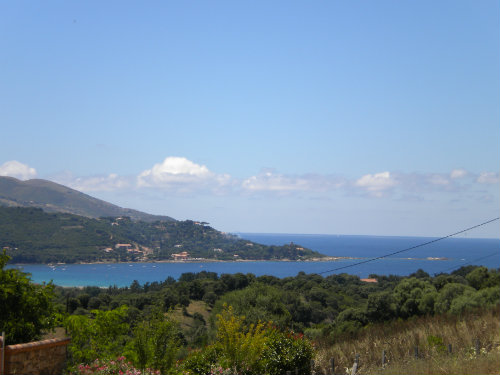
[(155, 343), (120, 366), (241, 345), (286, 352), (102, 335), (26, 308), (202, 362), (250, 349)]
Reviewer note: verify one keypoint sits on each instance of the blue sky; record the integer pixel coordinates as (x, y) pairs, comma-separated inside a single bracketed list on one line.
[(342, 117)]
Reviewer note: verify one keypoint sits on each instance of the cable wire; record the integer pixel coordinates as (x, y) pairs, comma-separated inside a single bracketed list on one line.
[(410, 248), (470, 262)]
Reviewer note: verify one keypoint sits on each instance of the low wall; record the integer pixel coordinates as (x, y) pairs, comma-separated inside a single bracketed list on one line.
[(47, 357)]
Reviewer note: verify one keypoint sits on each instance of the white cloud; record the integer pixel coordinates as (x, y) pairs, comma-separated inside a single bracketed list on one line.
[(18, 170), (99, 183), (173, 170), (179, 175), (270, 181), (182, 175), (111, 182), (377, 183), (437, 179), (458, 173), (488, 178)]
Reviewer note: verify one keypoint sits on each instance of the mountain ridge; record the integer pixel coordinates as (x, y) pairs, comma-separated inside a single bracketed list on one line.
[(53, 197), (45, 222)]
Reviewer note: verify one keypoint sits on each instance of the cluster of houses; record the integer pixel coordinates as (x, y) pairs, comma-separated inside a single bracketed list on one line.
[(129, 248), (134, 250), (181, 256)]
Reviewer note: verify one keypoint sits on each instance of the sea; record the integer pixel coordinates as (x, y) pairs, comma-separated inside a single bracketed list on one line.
[(396, 256)]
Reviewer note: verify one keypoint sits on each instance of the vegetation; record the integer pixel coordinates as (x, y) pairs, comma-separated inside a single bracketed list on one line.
[(242, 348), (26, 309), (205, 323), (117, 366), (432, 335), (31, 235), (224, 318)]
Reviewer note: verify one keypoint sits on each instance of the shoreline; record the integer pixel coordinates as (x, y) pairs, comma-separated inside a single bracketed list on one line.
[(203, 260), (194, 260)]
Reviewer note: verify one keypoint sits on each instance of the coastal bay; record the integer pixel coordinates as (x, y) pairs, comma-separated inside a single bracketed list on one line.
[(443, 256)]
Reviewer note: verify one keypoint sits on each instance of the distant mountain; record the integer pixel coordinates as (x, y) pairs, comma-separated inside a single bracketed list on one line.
[(52, 197), (30, 235)]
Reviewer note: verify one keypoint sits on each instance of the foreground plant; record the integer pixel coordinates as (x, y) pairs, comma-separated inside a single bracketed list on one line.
[(120, 366), (101, 335), (26, 308), (250, 349)]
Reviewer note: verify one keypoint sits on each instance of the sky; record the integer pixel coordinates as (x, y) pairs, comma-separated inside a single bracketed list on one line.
[(334, 117)]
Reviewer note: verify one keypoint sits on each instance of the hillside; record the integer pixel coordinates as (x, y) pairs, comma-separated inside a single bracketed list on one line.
[(452, 319), (34, 236), (53, 197)]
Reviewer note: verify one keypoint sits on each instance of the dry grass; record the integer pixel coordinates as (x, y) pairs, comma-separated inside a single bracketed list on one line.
[(488, 363), (399, 339), (187, 321)]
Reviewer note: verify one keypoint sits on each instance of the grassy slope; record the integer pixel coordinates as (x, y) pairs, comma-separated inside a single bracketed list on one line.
[(186, 322), (398, 339)]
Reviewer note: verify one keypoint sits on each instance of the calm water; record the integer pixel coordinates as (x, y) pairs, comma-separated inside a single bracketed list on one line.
[(459, 251)]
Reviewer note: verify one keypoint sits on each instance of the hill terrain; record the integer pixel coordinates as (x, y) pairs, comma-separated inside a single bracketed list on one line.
[(31, 235), (53, 197)]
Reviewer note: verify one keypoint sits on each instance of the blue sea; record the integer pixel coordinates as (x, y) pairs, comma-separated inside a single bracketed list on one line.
[(456, 251)]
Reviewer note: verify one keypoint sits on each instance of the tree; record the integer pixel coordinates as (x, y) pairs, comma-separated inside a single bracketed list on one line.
[(26, 308), (479, 278), (414, 297), (448, 293), (379, 307), (102, 335), (156, 343), (257, 302)]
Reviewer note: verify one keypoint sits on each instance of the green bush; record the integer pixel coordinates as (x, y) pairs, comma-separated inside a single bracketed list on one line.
[(201, 362), (26, 309), (155, 343), (286, 352), (102, 335), (250, 349)]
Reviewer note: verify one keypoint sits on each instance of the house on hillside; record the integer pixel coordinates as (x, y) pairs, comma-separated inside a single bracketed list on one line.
[(181, 256), (123, 246)]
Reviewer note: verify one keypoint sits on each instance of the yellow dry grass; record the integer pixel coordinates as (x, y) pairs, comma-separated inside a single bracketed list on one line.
[(432, 336)]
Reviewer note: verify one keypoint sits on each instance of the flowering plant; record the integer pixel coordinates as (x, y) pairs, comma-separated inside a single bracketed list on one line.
[(120, 366), (218, 370)]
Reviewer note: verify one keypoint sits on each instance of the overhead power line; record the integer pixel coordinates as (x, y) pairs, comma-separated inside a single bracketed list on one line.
[(410, 248), (472, 261)]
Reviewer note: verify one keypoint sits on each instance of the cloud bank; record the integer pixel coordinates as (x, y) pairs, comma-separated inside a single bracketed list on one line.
[(179, 175)]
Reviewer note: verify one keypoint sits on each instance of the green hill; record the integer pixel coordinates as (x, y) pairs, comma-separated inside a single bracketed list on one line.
[(34, 236), (52, 197)]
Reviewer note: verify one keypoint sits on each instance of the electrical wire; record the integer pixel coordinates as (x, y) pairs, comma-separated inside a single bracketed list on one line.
[(410, 248), (470, 262)]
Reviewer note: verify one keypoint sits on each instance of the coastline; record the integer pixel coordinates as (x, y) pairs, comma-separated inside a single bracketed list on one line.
[(207, 260), (196, 260)]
